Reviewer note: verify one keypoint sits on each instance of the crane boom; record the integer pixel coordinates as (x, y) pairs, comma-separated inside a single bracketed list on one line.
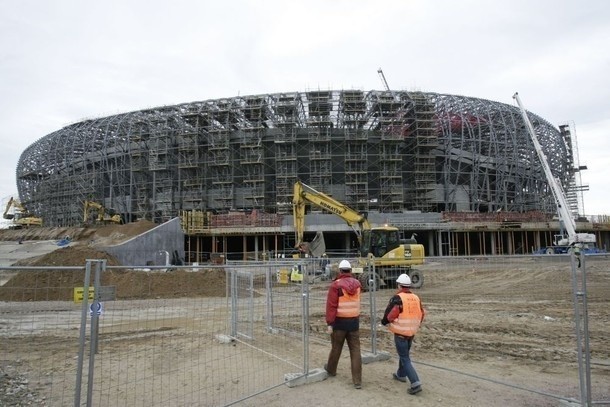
[(382, 76), (558, 193)]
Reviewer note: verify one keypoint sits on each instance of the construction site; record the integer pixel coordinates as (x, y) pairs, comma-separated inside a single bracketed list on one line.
[(202, 228), (458, 172)]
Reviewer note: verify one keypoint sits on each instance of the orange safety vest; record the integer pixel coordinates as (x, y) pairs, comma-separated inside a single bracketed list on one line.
[(409, 320), (349, 305)]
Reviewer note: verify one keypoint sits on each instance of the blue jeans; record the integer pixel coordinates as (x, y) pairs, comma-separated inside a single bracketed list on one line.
[(405, 367)]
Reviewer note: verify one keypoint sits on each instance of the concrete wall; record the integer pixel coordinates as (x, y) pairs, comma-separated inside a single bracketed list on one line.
[(152, 247)]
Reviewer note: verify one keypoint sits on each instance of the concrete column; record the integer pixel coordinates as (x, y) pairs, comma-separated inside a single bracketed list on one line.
[(347, 241), (431, 250), (244, 244), (439, 239)]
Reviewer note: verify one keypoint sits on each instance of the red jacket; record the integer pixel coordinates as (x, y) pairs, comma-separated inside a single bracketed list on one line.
[(344, 282)]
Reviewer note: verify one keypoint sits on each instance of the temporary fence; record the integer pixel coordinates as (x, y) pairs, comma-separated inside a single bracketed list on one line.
[(201, 336), (211, 335)]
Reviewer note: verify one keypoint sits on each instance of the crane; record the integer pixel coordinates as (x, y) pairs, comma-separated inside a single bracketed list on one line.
[(563, 242), (383, 81)]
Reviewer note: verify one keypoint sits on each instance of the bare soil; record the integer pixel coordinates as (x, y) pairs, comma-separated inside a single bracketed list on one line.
[(108, 234), (56, 284), (501, 334)]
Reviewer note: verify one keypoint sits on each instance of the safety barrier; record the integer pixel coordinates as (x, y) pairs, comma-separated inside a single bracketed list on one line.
[(220, 335)]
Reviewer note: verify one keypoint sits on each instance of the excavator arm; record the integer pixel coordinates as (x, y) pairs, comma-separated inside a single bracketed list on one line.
[(7, 215), (87, 206), (102, 216), (304, 194), (21, 217)]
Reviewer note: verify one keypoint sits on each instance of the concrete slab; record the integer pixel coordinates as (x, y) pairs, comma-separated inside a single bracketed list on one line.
[(298, 379), (368, 357), (319, 374)]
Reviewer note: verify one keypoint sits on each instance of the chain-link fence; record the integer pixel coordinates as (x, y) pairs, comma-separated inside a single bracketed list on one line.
[(220, 335)]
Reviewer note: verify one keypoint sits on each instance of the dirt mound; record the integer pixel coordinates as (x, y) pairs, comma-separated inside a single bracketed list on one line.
[(76, 255), (111, 234), (114, 234), (58, 285), (43, 233)]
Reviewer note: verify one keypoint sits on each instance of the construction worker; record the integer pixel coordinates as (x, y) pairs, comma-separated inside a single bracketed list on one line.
[(343, 321), (404, 315)]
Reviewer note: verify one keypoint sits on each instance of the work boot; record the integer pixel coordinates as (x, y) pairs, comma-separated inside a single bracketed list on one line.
[(414, 390), (400, 379), (326, 369)]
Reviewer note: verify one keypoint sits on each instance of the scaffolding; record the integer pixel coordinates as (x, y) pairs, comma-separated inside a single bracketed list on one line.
[(353, 116), (319, 127), (574, 192), (385, 151), (425, 138)]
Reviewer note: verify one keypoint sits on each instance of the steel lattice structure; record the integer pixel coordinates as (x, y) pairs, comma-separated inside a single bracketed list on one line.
[(386, 151)]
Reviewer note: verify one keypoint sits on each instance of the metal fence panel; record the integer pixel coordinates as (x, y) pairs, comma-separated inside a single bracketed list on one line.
[(220, 335)]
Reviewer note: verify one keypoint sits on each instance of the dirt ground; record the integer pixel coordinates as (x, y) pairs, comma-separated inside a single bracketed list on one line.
[(85, 245), (501, 334), (496, 335), (102, 234)]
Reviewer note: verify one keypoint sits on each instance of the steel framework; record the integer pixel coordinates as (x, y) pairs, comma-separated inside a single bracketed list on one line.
[(386, 151)]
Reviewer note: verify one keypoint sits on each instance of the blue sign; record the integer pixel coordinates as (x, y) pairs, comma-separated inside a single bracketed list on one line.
[(96, 308)]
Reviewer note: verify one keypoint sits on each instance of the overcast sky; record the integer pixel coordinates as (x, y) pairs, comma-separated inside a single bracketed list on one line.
[(63, 61)]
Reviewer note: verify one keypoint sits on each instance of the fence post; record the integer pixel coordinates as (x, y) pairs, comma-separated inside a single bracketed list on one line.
[(373, 307), (83, 329), (581, 320), (269, 297), (95, 324), (305, 313), (233, 293)]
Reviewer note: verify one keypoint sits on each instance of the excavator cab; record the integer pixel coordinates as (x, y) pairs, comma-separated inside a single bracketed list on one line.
[(379, 241)]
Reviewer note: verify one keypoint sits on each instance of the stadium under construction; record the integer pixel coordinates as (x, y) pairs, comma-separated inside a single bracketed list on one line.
[(460, 172)]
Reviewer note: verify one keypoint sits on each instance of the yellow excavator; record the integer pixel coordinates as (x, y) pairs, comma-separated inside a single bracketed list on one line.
[(21, 217), (102, 217), (380, 246)]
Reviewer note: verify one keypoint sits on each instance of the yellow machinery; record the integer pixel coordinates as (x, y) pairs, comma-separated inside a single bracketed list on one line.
[(102, 216), (381, 246), (21, 218)]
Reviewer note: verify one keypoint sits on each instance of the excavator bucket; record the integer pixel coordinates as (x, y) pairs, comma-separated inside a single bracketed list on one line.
[(317, 247)]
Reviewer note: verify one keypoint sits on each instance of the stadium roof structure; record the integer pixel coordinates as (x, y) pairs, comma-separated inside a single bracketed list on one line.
[(386, 151)]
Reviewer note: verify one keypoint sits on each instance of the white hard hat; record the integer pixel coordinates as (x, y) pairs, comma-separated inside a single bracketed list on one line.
[(345, 265), (403, 279)]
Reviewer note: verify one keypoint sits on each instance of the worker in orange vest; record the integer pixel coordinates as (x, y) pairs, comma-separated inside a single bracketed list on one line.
[(404, 315), (343, 321)]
